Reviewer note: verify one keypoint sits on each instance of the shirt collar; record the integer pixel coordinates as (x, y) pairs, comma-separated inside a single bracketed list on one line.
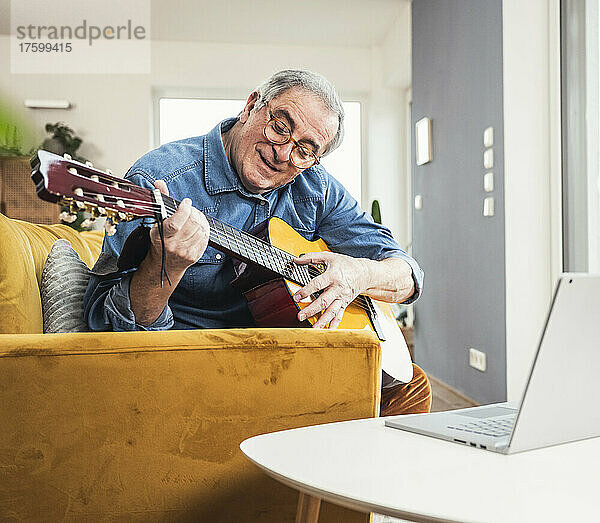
[(219, 176)]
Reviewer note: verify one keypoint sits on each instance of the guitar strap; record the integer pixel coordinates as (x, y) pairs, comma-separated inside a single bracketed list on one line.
[(163, 253), (160, 218)]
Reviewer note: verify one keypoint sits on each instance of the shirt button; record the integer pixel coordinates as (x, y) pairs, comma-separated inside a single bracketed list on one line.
[(262, 202), (218, 256)]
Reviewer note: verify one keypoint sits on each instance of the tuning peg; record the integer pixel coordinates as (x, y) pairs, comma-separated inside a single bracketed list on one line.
[(67, 156), (88, 222), (89, 164), (67, 217), (79, 192), (94, 177), (110, 228), (72, 170)]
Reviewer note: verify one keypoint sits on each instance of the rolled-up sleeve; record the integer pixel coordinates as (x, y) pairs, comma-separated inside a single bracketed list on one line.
[(349, 230), (117, 310)]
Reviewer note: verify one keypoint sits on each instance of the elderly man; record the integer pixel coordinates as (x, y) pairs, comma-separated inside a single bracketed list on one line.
[(261, 164)]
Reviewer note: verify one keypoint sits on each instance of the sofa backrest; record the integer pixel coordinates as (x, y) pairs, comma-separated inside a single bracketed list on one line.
[(24, 248)]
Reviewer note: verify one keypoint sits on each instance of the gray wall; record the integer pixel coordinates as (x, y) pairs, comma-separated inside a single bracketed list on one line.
[(457, 82)]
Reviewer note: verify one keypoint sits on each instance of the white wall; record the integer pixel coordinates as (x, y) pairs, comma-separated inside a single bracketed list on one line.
[(532, 176), (388, 177), (386, 180)]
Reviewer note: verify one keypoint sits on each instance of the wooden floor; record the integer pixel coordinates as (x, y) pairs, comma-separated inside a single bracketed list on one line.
[(446, 398)]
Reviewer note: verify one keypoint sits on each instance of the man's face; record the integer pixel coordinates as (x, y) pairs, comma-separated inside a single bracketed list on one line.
[(262, 165)]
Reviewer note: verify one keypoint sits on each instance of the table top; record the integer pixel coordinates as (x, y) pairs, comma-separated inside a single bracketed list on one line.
[(372, 468)]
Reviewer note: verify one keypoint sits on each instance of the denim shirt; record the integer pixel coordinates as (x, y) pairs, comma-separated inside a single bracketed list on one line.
[(315, 204)]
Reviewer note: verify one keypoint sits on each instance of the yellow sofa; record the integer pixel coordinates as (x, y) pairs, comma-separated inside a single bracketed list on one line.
[(146, 426)]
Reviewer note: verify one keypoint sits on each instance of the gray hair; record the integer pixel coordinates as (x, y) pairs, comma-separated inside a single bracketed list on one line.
[(313, 82)]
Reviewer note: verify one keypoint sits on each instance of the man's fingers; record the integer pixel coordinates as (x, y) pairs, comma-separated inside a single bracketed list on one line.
[(320, 304), (333, 324), (313, 257), (193, 248), (175, 223), (162, 187), (334, 311), (316, 284)]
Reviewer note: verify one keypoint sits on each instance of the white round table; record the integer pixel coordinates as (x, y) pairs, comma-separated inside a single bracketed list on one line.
[(368, 467)]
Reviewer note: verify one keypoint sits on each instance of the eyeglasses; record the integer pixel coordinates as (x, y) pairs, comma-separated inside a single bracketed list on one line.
[(277, 132)]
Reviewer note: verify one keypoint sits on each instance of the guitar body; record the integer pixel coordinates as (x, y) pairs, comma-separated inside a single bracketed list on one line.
[(270, 299)]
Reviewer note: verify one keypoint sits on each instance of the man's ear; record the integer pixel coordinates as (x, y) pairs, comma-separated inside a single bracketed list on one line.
[(250, 103)]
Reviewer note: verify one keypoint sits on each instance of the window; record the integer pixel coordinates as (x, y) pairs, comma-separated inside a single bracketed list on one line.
[(580, 42), (183, 117)]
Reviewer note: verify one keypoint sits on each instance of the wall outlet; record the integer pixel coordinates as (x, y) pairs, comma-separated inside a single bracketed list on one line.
[(477, 359)]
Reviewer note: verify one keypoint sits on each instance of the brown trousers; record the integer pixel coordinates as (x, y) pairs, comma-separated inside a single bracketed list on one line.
[(407, 398)]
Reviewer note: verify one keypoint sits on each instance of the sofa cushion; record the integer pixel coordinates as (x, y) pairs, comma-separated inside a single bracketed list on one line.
[(64, 280), (24, 249), (20, 306)]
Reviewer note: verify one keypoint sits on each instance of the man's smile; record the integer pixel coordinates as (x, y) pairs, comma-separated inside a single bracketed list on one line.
[(266, 162)]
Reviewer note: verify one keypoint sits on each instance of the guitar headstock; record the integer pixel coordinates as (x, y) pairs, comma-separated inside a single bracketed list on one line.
[(81, 187)]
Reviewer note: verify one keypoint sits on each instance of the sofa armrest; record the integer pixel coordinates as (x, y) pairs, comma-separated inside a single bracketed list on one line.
[(148, 424)]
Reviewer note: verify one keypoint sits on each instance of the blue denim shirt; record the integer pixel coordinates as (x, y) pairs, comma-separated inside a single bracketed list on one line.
[(315, 204)]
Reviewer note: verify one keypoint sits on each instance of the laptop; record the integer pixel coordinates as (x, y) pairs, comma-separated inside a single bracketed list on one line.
[(559, 402)]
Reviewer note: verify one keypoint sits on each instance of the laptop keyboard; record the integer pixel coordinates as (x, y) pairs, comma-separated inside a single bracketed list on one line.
[(496, 427)]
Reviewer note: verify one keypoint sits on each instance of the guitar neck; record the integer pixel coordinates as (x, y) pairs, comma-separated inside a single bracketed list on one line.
[(248, 248)]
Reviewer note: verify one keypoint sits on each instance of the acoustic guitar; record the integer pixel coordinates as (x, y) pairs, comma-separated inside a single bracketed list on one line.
[(267, 274)]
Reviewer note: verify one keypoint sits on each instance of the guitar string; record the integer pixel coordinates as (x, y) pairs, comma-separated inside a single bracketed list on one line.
[(244, 237)]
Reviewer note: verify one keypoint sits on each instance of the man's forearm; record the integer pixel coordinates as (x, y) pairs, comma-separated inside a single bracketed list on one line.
[(148, 299), (390, 280)]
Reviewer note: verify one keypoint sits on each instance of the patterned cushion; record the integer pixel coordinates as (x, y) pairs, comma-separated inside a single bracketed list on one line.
[(64, 280)]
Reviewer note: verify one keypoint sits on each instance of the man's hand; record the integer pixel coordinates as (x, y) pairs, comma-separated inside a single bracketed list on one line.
[(186, 235), (345, 278)]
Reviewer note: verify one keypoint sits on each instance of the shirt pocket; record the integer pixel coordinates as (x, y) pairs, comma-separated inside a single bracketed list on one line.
[(301, 214)]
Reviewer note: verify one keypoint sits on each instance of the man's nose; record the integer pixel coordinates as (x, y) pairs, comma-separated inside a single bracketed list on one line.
[(283, 151)]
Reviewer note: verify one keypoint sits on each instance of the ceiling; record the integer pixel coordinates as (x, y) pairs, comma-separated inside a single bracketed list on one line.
[(360, 23)]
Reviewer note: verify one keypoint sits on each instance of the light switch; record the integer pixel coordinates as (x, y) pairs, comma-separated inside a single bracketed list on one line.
[(488, 136), (418, 202), (488, 206), (488, 158), (488, 182)]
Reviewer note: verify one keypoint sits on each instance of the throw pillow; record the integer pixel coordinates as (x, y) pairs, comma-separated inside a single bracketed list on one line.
[(64, 280)]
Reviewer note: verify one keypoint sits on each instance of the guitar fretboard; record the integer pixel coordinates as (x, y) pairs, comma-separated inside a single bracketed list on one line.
[(249, 248)]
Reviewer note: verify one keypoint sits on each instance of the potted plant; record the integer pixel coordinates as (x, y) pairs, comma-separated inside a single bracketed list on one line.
[(62, 140)]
